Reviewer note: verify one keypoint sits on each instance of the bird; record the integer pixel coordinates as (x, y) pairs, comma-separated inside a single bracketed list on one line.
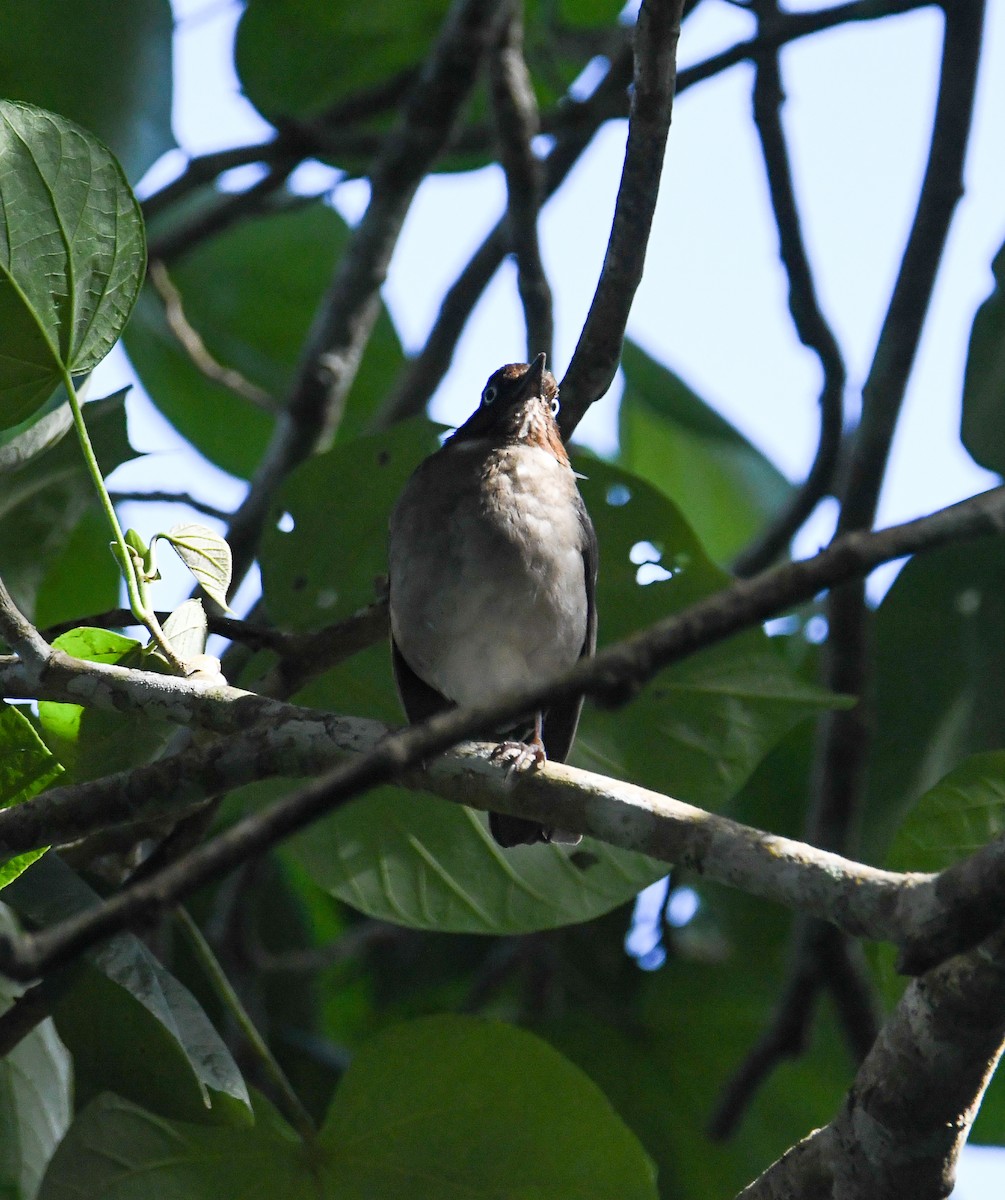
[(492, 571)]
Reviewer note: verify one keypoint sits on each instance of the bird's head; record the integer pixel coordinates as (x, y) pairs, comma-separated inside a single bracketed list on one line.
[(519, 404)]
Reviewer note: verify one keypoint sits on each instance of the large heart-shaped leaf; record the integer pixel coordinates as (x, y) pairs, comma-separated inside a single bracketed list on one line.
[(71, 255), (457, 1107)]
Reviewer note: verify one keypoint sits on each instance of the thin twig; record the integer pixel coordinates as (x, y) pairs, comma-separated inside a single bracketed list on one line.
[(208, 510), (811, 325), (191, 342), (514, 106), (598, 351), (226, 211), (258, 637), (813, 943)]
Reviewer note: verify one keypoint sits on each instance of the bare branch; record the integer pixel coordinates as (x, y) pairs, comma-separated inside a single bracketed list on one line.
[(598, 351), (209, 510), (808, 318), (844, 738), (191, 342), (574, 126), (518, 122), (225, 211)]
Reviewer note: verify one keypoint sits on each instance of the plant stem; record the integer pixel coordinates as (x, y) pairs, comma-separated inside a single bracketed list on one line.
[(299, 1117), (134, 586)]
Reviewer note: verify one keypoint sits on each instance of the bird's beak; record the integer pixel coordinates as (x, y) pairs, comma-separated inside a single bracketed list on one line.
[(534, 379)]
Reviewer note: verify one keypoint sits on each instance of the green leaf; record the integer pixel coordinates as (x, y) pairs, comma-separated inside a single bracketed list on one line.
[(42, 503), (123, 95), (984, 381), (963, 812), (92, 742), (939, 678), (22, 442), (66, 204), (304, 589), (26, 768), (187, 628), (115, 1149), (207, 556), (702, 726), (664, 1057), (290, 258), (725, 487), (36, 1099), (299, 58), (423, 862), (130, 1025), (456, 1107)]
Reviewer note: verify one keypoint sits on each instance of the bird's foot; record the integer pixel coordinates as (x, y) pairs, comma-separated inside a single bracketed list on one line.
[(520, 756)]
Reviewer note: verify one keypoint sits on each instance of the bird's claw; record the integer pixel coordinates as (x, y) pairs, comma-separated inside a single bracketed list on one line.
[(519, 756)]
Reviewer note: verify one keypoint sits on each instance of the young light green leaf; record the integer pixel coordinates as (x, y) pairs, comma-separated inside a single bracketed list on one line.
[(186, 629), (143, 556), (66, 204), (206, 555)]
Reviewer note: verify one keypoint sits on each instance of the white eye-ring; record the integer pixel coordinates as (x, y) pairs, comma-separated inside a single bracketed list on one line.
[(555, 406), (490, 393)]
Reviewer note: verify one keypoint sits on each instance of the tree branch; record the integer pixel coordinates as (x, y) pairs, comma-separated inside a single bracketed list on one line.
[(598, 351), (615, 674), (907, 1115), (810, 323), (22, 637), (580, 120), (517, 122)]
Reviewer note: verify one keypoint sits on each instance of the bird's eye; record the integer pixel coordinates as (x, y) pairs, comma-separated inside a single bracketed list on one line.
[(490, 393), (555, 406)]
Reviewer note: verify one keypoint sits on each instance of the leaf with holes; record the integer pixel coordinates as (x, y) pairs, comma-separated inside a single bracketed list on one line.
[(64, 203)]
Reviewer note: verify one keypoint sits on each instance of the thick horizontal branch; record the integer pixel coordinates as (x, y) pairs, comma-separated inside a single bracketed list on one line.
[(926, 916), (615, 674)]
